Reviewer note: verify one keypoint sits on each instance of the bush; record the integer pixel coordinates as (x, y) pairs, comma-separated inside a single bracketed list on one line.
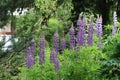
[(111, 65), (81, 65), (74, 65)]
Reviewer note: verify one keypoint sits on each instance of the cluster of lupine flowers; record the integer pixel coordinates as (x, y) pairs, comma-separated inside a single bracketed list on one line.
[(84, 36), (42, 49), (29, 54)]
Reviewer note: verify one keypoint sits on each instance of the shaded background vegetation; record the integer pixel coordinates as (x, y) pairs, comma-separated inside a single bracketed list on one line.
[(103, 7)]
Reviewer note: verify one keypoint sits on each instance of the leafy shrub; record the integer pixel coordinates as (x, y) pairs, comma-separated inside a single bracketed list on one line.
[(81, 65), (111, 65), (9, 66), (74, 65)]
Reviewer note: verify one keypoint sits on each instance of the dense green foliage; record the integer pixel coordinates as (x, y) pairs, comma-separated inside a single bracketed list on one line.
[(83, 64), (111, 66)]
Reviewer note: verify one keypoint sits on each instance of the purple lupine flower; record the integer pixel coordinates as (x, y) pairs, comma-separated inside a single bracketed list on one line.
[(29, 61), (99, 26), (63, 44), (84, 21), (29, 55), (56, 41), (79, 22), (99, 31), (72, 37), (56, 64), (81, 32), (84, 24), (54, 59), (80, 36), (33, 47), (114, 23), (42, 49), (52, 55), (90, 34)]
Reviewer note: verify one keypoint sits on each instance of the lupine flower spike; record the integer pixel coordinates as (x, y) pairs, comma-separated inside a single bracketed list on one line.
[(84, 21), (99, 31), (42, 49), (72, 37), (62, 43), (33, 47), (29, 55), (56, 62), (56, 41), (84, 29), (90, 33), (99, 26), (79, 22), (52, 55), (114, 24), (81, 32), (54, 59), (30, 61)]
